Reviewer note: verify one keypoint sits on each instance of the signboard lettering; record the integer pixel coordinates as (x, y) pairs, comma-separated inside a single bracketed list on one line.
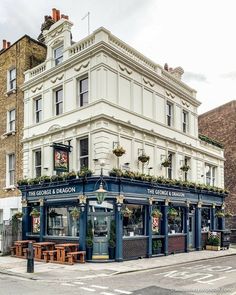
[(166, 193), (52, 191)]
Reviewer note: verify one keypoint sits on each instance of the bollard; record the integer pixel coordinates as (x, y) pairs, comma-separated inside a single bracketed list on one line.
[(30, 258)]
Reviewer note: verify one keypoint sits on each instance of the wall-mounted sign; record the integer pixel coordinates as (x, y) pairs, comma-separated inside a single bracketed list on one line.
[(165, 193), (61, 157), (52, 191)]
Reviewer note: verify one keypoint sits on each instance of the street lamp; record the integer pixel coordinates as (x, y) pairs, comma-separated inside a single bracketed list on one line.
[(101, 192)]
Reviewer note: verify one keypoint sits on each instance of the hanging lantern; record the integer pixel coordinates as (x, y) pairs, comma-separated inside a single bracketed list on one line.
[(100, 194)]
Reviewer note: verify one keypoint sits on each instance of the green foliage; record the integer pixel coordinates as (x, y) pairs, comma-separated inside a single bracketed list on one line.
[(172, 212), (17, 215), (213, 241), (89, 238), (119, 151), (156, 244), (112, 239), (84, 172), (35, 212), (23, 182), (75, 213), (156, 213), (211, 141)]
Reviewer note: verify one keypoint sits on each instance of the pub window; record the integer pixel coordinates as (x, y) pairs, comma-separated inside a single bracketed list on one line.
[(175, 224), (156, 222), (83, 153), (61, 223), (134, 224), (206, 219)]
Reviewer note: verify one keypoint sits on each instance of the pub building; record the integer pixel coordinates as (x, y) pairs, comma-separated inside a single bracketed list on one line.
[(100, 104)]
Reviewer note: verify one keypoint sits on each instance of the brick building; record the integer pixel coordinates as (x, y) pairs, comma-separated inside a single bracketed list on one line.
[(220, 124), (15, 59)]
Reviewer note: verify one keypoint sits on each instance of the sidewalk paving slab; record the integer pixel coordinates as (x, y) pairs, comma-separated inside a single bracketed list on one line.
[(67, 273)]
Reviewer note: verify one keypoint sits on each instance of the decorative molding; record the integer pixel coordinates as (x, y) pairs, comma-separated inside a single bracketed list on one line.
[(54, 127), (185, 104), (167, 201), (199, 204), (57, 78), (24, 203), (170, 94), (82, 199), (146, 81), (37, 88), (83, 65), (150, 200), (126, 69), (41, 202), (187, 202), (213, 205), (57, 32), (120, 199)]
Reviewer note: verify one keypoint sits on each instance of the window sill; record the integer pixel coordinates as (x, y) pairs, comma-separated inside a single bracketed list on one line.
[(9, 188), (9, 92), (8, 133)]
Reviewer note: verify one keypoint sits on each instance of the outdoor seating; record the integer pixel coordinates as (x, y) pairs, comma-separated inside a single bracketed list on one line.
[(19, 248), (40, 248), (73, 257), (50, 255), (63, 250)]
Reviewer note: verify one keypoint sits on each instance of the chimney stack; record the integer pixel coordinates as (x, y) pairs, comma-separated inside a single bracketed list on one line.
[(54, 14), (58, 15), (8, 44), (4, 44)]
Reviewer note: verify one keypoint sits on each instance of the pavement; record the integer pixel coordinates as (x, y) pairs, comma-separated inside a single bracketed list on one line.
[(52, 272)]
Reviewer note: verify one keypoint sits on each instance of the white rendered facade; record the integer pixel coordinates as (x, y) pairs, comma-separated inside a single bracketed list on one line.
[(129, 99)]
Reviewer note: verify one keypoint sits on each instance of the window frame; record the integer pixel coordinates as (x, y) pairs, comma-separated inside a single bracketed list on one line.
[(210, 180), (170, 167), (185, 123), (10, 180), (169, 114), (37, 166), (58, 103), (81, 93), (58, 59), (38, 112), (11, 80), (11, 121), (79, 152)]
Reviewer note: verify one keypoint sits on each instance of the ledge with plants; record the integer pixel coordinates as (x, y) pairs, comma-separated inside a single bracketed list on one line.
[(160, 180), (211, 141)]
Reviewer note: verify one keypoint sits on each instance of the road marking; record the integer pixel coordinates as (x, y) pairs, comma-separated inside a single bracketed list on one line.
[(99, 287), (67, 284), (106, 293), (88, 289), (78, 283), (123, 292), (210, 281)]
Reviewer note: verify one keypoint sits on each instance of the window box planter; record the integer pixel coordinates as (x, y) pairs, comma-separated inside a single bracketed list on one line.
[(212, 248), (56, 178), (45, 179), (84, 172), (70, 175), (119, 151)]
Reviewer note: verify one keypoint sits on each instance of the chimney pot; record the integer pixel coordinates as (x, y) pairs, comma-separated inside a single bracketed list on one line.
[(66, 17), (4, 44), (58, 15), (54, 14), (8, 44)]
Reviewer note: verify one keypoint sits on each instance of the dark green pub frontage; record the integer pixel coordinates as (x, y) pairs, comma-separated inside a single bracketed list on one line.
[(140, 218)]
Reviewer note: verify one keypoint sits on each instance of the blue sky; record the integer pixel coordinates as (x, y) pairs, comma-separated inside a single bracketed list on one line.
[(198, 35)]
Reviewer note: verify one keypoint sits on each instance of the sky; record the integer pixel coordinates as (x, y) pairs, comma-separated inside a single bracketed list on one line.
[(198, 35)]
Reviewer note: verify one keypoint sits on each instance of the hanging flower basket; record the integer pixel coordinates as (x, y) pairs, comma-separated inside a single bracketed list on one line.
[(185, 168), (172, 213), (126, 212), (119, 151), (220, 214), (34, 213), (75, 213), (156, 213), (143, 158), (166, 163), (17, 215)]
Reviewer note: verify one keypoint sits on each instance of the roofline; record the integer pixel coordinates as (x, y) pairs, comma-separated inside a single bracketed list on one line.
[(24, 36), (218, 108)]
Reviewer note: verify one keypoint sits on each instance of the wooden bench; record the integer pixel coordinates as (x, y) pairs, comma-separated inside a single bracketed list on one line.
[(49, 255), (13, 251), (73, 257)]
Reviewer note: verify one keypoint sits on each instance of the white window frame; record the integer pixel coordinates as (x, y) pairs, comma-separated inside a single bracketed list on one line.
[(79, 152), (170, 169), (11, 80), (10, 170), (211, 179), (37, 166), (38, 112), (81, 93), (185, 121), (11, 121), (58, 59), (58, 102), (169, 114)]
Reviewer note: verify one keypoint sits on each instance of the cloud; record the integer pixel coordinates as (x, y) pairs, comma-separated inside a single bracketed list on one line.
[(190, 76), (229, 75)]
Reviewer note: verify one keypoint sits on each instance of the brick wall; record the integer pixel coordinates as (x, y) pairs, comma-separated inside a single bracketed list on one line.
[(176, 244), (23, 55), (220, 124)]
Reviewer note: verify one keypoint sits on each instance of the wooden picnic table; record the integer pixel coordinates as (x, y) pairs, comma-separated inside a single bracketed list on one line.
[(40, 247), (62, 249), (20, 245)]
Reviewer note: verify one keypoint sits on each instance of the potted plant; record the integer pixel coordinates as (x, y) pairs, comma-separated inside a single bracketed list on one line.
[(75, 213), (156, 213), (185, 168), (112, 241), (220, 214), (143, 158), (156, 246), (166, 163), (172, 213), (35, 213), (56, 178), (115, 172), (89, 241), (119, 151), (45, 179), (213, 243), (17, 215), (33, 181), (84, 172), (22, 182)]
